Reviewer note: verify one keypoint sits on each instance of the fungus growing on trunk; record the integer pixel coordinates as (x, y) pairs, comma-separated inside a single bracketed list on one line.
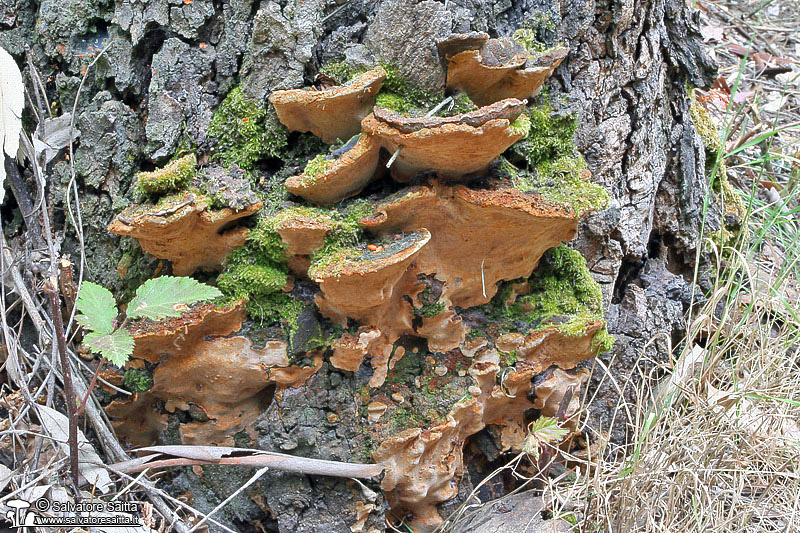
[(329, 114), (422, 461), (333, 178), (220, 380), (490, 70), (183, 229), (369, 286), (453, 147)]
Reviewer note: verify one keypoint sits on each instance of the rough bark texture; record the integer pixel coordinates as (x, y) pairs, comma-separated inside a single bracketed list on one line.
[(169, 63)]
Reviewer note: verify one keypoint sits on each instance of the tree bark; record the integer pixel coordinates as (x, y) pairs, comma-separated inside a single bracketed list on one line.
[(170, 63)]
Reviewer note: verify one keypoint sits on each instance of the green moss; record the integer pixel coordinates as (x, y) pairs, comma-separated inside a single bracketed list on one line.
[(137, 380), (522, 125), (732, 202), (548, 163), (315, 167), (549, 137), (430, 310), (508, 359), (706, 128), (173, 177), (527, 38), (339, 71), (562, 292), (258, 273), (245, 132), (564, 285), (343, 236), (399, 95), (565, 181)]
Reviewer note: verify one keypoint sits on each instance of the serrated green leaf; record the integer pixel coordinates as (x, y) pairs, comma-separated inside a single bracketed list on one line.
[(162, 297), (98, 308), (117, 347), (547, 430)]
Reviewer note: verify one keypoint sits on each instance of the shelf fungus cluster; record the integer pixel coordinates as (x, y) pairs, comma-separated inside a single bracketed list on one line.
[(489, 70), (443, 291), (199, 366)]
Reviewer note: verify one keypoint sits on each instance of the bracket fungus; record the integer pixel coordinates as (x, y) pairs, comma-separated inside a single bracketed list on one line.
[(339, 177), (370, 287), (199, 367), (330, 114), (461, 296), (183, 229), (422, 462), (490, 70), (453, 147)]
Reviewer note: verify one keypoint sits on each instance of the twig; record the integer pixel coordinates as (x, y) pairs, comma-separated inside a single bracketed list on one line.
[(51, 288), (92, 384), (278, 461)]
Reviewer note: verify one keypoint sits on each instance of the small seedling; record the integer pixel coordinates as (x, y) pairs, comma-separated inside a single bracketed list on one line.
[(544, 431), (155, 299)]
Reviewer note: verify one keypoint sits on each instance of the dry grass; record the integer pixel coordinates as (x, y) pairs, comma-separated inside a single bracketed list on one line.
[(716, 445)]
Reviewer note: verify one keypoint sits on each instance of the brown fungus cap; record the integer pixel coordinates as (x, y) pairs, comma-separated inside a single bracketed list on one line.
[(185, 231), (329, 114), (489, 70), (371, 288), (453, 147), (342, 177), (478, 236)]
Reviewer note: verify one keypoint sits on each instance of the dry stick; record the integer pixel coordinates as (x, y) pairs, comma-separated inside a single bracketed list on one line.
[(113, 448), (69, 391), (288, 463)]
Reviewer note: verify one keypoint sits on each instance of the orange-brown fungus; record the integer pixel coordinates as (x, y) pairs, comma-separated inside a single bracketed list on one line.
[(370, 287), (422, 463), (453, 147), (329, 114), (184, 230), (342, 177), (221, 381), (490, 70)]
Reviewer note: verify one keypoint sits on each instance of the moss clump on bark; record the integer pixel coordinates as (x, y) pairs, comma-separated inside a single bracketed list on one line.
[(522, 125), (565, 181), (137, 380), (430, 310), (258, 273), (550, 137), (173, 177), (339, 71), (401, 96), (315, 167), (732, 202), (561, 292), (527, 38), (343, 236), (244, 132)]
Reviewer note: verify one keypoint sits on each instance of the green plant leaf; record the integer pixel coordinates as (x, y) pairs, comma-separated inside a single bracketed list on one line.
[(543, 430), (163, 297), (98, 308), (117, 347)]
